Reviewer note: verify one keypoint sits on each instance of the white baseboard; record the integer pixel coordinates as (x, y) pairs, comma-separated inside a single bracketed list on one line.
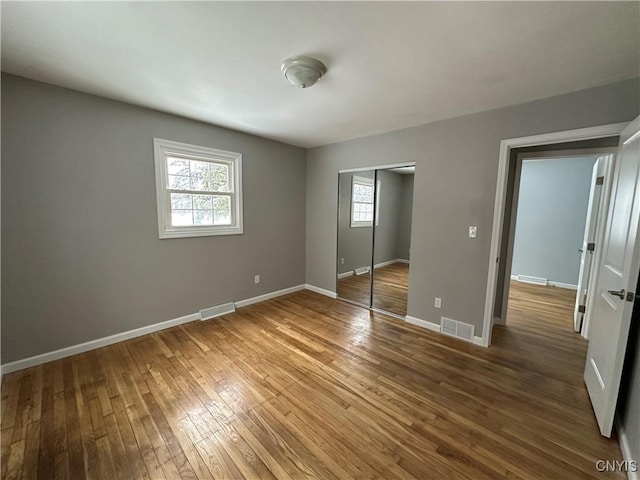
[(568, 286), (268, 296), (627, 454), (550, 283), (321, 291), (377, 265), (93, 344), (422, 323), (384, 264), (120, 337)]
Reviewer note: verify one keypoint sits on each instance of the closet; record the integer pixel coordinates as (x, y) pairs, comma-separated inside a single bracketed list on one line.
[(375, 210)]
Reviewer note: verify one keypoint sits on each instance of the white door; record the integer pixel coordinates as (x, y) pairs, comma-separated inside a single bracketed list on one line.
[(616, 284), (590, 229)]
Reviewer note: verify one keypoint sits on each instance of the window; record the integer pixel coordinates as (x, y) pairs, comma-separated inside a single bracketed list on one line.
[(362, 195), (199, 190)]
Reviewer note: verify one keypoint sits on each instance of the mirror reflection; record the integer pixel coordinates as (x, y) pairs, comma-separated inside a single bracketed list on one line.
[(392, 240), (355, 236), (374, 234)]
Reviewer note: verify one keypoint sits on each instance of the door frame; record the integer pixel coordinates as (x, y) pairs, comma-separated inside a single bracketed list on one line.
[(506, 146)]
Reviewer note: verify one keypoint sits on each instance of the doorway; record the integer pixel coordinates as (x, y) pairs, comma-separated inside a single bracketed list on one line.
[(374, 235), (550, 197), (556, 216), (591, 137)]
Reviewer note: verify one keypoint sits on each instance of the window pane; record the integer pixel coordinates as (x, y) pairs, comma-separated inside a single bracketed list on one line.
[(181, 217), (220, 177), (201, 183), (221, 210), (179, 182), (199, 169), (180, 201), (178, 166), (202, 202), (202, 217)]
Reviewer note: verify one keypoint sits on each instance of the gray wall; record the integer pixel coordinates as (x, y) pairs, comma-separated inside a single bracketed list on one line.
[(79, 223), (388, 228), (354, 244), (455, 179), (552, 211)]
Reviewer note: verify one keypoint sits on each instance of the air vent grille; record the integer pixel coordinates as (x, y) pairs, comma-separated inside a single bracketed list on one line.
[(362, 270), (457, 329), (534, 280), (211, 312)]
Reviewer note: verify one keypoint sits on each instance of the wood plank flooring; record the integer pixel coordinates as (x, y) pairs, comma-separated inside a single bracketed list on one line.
[(390, 288), (304, 386)]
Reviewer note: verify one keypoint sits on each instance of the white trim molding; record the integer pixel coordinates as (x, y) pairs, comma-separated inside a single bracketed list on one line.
[(500, 199), (568, 286), (138, 332), (435, 327), (377, 167), (268, 296), (549, 283), (321, 291), (93, 344)]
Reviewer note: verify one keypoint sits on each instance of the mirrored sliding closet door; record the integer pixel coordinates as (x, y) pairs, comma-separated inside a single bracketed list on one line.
[(355, 236), (374, 233)]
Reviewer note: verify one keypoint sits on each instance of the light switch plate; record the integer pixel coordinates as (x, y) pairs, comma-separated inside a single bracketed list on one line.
[(473, 231)]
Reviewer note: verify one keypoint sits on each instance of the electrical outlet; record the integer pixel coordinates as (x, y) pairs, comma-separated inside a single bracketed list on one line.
[(342, 261), (256, 279), (438, 302), (473, 232)]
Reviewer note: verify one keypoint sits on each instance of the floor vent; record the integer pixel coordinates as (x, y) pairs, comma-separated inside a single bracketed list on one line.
[(457, 329), (362, 270), (534, 280), (211, 312)]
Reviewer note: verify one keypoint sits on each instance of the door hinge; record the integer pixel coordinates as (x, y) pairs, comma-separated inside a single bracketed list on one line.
[(581, 308), (600, 181), (630, 297), (591, 247)]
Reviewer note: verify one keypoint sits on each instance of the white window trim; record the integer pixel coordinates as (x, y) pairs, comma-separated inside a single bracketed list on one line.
[(164, 148), (369, 182)]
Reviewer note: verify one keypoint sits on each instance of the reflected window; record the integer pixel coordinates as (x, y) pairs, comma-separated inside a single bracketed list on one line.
[(362, 198)]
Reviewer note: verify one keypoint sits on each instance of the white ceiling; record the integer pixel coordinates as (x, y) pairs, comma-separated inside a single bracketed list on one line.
[(390, 65)]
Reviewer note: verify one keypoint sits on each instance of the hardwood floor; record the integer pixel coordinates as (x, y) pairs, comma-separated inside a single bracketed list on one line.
[(304, 386), (390, 288)]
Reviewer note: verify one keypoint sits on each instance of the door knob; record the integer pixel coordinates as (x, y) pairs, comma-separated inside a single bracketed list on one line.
[(618, 293)]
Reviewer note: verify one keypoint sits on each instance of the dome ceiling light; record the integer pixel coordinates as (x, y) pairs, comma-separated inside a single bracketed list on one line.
[(303, 72)]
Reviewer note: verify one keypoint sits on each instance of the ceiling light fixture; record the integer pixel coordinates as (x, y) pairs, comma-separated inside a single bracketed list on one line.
[(303, 72)]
